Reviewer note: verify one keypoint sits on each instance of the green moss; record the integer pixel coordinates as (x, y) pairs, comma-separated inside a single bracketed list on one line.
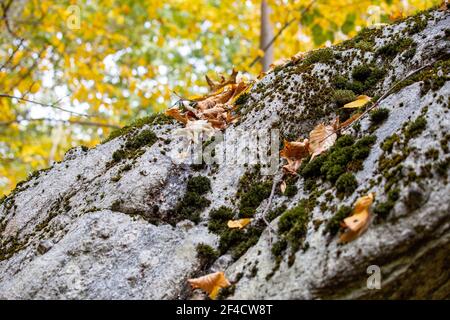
[(346, 183), (389, 142), (292, 228), (432, 78), (133, 147), (391, 49), (417, 25), (193, 201), (345, 156), (364, 79), (206, 255), (199, 185), (276, 212), (291, 190), (157, 118), (383, 209), (342, 97), (334, 224), (378, 116), (442, 167), (361, 72), (320, 55), (416, 127), (252, 190), (142, 139), (218, 219)]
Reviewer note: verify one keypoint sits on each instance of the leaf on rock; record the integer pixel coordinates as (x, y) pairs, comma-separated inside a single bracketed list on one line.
[(358, 103), (215, 107), (283, 187), (349, 121), (322, 138), (240, 223), (176, 114), (294, 152), (210, 283), (359, 221)]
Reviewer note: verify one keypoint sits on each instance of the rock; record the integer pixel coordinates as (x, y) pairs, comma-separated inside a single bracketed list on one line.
[(114, 221)]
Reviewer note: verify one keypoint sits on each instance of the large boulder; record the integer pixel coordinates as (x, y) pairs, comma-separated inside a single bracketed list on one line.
[(124, 220)]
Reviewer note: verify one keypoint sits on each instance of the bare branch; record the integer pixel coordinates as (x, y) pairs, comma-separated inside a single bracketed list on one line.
[(79, 122), (53, 105)]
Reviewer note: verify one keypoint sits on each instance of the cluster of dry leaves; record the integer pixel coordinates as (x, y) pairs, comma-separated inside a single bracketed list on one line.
[(321, 139), (215, 108)]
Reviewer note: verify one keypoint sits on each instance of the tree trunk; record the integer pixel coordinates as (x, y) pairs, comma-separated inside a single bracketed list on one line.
[(266, 36)]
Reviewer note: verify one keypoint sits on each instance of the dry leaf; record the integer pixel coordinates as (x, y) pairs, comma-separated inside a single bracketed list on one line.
[(349, 121), (176, 114), (358, 103), (283, 186), (215, 107), (241, 223), (214, 86), (322, 138), (294, 152), (210, 283), (359, 221)]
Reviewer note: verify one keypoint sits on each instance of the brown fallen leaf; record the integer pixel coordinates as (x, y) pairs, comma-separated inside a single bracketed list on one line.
[(214, 86), (359, 221), (358, 103), (211, 283), (176, 114), (294, 152), (240, 223), (322, 138), (349, 121)]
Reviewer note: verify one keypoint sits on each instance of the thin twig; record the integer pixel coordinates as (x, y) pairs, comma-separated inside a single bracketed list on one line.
[(276, 180), (53, 105), (287, 24), (83, 123)]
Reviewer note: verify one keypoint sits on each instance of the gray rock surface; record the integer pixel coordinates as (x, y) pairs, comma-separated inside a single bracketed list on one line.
[(89, 228)]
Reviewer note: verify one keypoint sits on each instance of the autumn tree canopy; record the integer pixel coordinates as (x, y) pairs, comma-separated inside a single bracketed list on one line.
[(71, 71)]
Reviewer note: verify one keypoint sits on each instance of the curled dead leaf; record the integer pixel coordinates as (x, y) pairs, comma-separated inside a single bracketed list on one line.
[(240, 223), (359, 221), (294, 152), (322, 138), (211, 283), (176, 114), (358, 103), (214, 86)]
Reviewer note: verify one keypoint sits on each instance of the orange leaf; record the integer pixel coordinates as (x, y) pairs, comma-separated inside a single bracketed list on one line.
[(349, 121), (176, 114), (211, 283), (294, 152), (322, 138), (359, 221), (241, 223)]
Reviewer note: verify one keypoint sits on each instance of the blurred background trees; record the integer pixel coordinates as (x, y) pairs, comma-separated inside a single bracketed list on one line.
[(72, 71)]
